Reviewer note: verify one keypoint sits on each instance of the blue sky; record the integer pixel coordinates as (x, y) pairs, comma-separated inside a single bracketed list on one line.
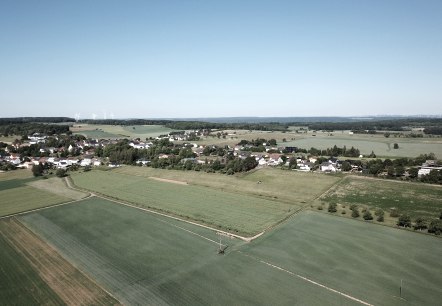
[(171, 59)]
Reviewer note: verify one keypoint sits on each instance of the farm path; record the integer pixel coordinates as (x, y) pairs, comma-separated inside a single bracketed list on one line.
[(43, 208), (301, 209)]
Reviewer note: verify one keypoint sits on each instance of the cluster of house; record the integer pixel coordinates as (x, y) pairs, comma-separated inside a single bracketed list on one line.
[(55, 162), (426, 167)]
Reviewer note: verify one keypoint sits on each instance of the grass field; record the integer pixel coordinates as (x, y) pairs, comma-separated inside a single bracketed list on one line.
[(416, 199), (230, 211), (143, 258), (119, 131), (20, 284), (287, 186)]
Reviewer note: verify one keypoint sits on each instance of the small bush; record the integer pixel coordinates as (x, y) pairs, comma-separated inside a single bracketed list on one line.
[(320, 207), (394, 213), (343, 212), (404, 221), (367, 215), (355, 213)]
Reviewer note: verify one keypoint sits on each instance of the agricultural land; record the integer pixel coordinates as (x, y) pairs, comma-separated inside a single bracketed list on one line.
[(314, 258)]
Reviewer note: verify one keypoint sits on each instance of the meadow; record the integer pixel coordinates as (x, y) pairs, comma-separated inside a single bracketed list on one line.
[(413, 198), (310, 259), (234, 212), (120, 131)]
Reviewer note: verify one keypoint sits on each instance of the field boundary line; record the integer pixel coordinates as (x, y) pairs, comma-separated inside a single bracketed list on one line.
[(122, 202), (307, 279), (43, 208), (247, 239), (189, 231)]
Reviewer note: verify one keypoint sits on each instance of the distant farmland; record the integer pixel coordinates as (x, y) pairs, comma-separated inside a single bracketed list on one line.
[(310, 259), (230, 211), (120, 131)]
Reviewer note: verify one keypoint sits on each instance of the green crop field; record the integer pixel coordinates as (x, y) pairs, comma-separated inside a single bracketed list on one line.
[(412, 198), (363, 260), (286, 186), (16, 196), (408, 147), (20, 284), (230, 211), (143, 258), (120, 131)]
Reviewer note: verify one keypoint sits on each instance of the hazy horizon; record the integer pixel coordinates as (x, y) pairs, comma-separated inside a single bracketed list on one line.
[(192, 59)]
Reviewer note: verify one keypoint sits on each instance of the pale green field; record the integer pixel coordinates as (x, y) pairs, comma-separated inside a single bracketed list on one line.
[(25, 198), (287, 186), (233, 212), (17, 196), (120, 131)]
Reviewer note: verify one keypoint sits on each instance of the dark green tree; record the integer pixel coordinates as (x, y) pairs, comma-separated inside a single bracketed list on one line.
[(332, 207), (404, 220), (367, 215), (37, 170)]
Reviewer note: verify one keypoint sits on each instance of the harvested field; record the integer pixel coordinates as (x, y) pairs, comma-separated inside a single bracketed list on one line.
[(57, 186), (67, 282), (19, 199)]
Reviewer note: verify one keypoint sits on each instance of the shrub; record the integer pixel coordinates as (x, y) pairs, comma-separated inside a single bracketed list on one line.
[(420, 224), (320, 207), (367, 215), (60, 172), (343, 212), (332, 207), (355, 213), (435, 227), (404, 221), (394, 213)]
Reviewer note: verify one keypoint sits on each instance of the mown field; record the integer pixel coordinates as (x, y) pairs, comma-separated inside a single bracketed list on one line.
[(412, 198), (17, 195), (120, 131), (286, 186), (234, 212), (143, 258)]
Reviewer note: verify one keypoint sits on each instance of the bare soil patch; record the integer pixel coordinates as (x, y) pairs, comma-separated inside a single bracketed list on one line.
[(168, 180), (69, 283)]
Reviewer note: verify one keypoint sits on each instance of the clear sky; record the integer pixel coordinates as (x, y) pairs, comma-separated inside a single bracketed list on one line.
[(171, 59)]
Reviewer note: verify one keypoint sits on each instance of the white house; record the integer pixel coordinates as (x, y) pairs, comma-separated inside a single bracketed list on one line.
[(328, 167)]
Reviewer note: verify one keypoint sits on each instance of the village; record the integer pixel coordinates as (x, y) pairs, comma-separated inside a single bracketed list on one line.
[(175, 151)]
